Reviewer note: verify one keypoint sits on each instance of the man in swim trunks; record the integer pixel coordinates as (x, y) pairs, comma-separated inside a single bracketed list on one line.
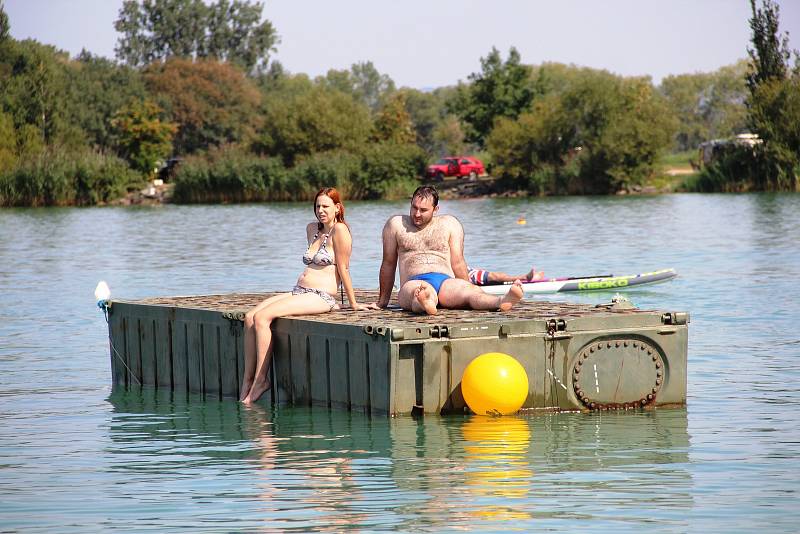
[(429, 249)]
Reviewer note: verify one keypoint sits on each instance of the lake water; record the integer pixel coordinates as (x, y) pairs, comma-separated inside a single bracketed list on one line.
[(76, 458)]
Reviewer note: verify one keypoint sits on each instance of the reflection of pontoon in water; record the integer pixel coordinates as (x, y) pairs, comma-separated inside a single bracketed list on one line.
[(328, 468), (577, 357)]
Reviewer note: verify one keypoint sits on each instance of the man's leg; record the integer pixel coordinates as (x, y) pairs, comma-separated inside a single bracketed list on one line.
[(499, 277), (418, 296), (460, 294)]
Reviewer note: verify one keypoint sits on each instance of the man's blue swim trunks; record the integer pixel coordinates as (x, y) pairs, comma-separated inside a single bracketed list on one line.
[(434, 279)]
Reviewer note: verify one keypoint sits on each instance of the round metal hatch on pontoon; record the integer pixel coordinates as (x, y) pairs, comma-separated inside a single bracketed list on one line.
[(617, 373)]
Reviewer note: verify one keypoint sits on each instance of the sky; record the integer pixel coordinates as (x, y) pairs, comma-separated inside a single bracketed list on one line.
[(433, 43)]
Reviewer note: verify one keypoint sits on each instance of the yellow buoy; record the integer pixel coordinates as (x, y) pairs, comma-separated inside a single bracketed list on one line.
[(522, 220), (494, 384)]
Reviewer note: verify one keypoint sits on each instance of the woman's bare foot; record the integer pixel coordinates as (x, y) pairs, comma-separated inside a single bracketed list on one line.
[(513, 296), (246, 385), (258, 389), (425, 299)]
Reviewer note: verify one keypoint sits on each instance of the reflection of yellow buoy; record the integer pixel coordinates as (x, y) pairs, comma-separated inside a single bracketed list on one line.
[(493, 438), (500, 513), (496, 453), (494, 384)]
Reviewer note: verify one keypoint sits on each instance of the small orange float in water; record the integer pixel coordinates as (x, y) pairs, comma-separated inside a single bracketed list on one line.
[(522, 220)]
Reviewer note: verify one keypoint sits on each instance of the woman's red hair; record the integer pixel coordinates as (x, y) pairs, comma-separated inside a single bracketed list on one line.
[(333, 194)]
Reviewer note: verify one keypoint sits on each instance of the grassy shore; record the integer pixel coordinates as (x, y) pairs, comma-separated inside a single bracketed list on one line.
[(673, 170)]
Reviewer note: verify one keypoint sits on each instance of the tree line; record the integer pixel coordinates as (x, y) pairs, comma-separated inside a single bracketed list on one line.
[(196, 81)]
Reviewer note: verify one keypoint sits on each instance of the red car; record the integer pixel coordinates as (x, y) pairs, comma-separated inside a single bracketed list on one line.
[(458, 166)]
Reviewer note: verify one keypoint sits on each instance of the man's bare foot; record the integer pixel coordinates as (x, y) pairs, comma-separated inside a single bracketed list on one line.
[(246, 385), (256, 391), (533, 274), (513, 296), (425, 299)]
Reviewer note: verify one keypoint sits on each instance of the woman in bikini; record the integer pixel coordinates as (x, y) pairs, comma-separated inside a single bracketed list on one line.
[(327, 261)]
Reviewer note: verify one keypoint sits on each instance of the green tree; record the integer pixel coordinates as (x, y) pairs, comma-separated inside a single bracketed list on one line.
[(311, 119), (770, 53), (707, 105), (424, 111), (212, 103), (144, 138), (437, 131), (534, 151), (363, 81), (228, 30), (8, 143), (687, 96), (773, 107), (30, 144), (98, 88), (272, 76), (601, 134), (33, 87), (774, 112), (727, 111), (5, 27), (370, 85), (622, 125), (556, 78), (393, 123), (236, 34), (284, 85), (501, 89), (341, 80), (448, 137), (389, 170), (640, 128)]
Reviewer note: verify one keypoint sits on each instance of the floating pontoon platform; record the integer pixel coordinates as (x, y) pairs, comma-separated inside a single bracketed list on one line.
[(577, 357)]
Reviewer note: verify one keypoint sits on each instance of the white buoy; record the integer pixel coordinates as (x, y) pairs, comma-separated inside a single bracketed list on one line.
[(102, 293)]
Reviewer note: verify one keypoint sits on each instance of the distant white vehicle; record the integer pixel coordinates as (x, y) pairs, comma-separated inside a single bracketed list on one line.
[(711, 150)]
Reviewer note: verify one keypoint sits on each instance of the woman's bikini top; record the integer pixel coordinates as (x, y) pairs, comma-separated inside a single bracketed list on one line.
[(322, 256)]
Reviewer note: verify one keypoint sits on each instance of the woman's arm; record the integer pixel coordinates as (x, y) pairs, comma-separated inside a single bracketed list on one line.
[(342, 248)]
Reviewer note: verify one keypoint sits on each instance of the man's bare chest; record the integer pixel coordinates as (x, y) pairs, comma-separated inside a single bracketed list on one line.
[(433, 238)]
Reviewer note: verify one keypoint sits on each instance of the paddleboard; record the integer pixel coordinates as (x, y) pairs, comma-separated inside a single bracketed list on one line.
[(587, 283)]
